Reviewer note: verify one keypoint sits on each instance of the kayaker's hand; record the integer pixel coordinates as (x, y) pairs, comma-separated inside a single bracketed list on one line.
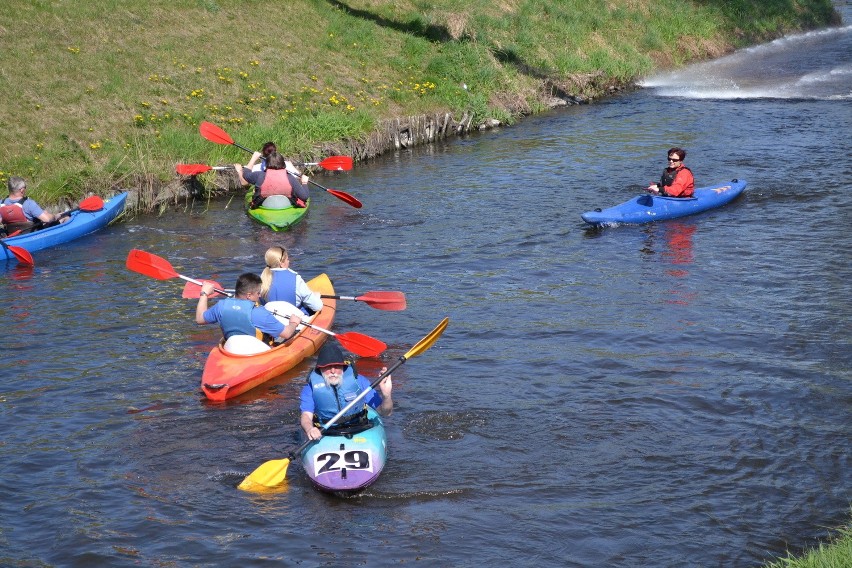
[(654, 188), (304, 179), (386, 386), (207, 289), (314, 433)]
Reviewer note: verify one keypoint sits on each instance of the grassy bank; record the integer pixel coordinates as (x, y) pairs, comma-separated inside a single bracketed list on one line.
[(109, 93), (834, 554)]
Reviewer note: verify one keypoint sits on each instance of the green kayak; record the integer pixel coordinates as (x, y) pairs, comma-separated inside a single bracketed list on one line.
[(276, 212)]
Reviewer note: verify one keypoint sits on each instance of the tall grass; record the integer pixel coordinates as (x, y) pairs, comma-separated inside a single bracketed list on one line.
[(837, 553), (97, 92)]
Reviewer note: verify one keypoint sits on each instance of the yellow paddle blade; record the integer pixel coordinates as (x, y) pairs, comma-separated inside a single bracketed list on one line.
[(267, 475), (427, 341)]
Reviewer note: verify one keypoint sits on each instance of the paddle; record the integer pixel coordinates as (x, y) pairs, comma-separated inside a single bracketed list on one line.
[(88, 205), (215, 134), (157, 267), (381, 300), (358, 343), (20, 253), (274, 472), (335, 163)]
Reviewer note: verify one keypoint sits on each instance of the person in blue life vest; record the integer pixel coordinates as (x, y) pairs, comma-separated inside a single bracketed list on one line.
[(331, 386), (677, 180), (240, 315), (280, 283), (20, 213), (278, 178)]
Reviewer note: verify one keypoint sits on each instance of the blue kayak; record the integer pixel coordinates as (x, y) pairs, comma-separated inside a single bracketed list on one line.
[(648, 208), (80, 223)]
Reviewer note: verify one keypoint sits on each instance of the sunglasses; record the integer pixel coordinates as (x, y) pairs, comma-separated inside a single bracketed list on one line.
[(674, 160)]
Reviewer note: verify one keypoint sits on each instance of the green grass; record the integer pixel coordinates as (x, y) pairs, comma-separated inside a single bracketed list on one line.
[(109, 93), (837, 553)]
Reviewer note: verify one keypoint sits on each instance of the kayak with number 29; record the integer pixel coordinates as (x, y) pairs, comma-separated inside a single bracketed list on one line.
[(648, 208)]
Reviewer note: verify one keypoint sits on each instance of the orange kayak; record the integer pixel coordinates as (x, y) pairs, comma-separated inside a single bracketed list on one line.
[(227, 375)]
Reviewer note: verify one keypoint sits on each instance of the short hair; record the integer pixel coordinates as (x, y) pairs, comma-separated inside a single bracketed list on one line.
[(247, 283), (275, 161), (681, 153), (16, 184), (268, 148)]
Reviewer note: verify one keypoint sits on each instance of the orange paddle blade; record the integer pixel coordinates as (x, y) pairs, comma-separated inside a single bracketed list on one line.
[(192, 169), (213, 133), (150, 265)]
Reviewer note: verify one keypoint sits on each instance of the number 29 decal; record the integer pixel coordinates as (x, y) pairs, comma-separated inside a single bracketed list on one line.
[(328, 462)]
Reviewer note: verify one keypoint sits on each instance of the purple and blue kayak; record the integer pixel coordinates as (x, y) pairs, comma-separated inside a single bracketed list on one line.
[(648, 208), (348, 463)]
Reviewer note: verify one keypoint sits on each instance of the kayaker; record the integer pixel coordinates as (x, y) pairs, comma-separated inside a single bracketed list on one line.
[(277, 179), (20, 213), (240, 315), (331, 385), (267, 149), (283, 284), (677, 179)]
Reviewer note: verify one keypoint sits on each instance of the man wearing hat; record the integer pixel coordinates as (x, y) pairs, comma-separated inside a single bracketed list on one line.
[(331, 386)]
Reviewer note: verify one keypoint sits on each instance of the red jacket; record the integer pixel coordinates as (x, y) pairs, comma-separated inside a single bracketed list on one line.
[(677, 182)]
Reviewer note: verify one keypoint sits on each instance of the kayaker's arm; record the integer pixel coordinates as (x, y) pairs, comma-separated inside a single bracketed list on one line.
[(201, 307), (306, 420), (385, 390)]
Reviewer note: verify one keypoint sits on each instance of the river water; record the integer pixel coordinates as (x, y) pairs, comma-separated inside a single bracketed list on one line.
[(675, 394)]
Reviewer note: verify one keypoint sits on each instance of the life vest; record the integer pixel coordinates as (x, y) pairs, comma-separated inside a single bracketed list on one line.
[(283, 288), (235, 317), (328, 401), (668, 178), (276, 182), (13, 212)]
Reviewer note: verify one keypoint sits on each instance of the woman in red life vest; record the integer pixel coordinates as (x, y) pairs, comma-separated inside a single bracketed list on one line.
[(677, 180), (276, 179)]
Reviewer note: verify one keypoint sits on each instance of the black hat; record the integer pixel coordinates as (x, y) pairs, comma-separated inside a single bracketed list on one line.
[(330, 354)]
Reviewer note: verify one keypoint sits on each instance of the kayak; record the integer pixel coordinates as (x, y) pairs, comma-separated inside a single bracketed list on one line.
[(648, 208), (348, 461), (276, 218), (79, 224), (227, 374)]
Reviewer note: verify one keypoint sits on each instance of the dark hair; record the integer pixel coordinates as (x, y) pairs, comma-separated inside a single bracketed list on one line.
[(275, 161), (247, 283), (681, 153), (268, 148)]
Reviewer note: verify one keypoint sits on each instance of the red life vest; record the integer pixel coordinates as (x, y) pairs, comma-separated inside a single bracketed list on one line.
[(13, 213), (276, 182)]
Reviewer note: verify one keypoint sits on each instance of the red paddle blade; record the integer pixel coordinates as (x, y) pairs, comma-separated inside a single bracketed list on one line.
[(337, 163), (93, 203), (389, 301), (192, 169), (150, 265), (360, 344), (343, 196), (192, 290), (22, 254), (213, 133)]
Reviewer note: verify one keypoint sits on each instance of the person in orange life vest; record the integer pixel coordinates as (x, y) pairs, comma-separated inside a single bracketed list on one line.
[(677, 179), (331, 385), (19, 212), (276, 179), (240, 315)]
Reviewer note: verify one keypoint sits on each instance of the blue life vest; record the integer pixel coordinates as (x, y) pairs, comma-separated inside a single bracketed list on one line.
[(235, 317), (283, 287), (328, 401)]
